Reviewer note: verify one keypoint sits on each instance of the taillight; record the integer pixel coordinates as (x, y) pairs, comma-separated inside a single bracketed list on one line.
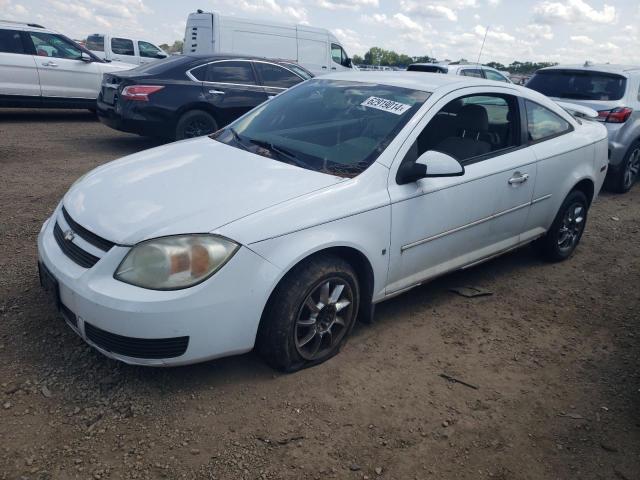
[(617, 115), (139, 93)]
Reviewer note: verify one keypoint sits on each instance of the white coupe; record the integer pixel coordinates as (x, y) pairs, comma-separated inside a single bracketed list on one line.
[(283, 228)]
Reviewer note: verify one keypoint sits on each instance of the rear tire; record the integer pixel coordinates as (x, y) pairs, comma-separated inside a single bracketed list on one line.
[(310, 314), (622, 178), (565, 233), (195, 123)]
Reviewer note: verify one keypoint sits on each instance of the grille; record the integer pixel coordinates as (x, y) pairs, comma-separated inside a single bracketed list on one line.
[(71, 250), (85, 234), (136, 347)]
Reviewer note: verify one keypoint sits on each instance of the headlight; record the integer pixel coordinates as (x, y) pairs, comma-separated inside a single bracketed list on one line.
[(172, 263)]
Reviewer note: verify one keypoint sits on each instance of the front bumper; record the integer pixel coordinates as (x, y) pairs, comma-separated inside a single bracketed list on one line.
[(218, 317)]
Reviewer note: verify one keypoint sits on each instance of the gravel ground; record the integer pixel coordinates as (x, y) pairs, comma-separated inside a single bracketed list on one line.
[(554, 353)]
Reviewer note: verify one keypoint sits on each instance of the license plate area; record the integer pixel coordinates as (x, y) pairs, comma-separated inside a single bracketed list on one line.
[(49, 285), (109, 95)]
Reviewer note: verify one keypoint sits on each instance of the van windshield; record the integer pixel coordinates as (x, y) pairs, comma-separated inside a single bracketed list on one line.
[(329, 126), (578, 84)]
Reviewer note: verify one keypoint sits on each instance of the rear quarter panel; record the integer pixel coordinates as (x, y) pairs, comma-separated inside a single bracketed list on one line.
[(562, 163)]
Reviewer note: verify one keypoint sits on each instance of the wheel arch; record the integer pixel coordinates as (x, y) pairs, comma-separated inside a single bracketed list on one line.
[(586, 186), (204, 106), (352, 255)]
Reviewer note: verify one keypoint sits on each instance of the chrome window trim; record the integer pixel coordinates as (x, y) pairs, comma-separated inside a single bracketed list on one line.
[(193, 78)]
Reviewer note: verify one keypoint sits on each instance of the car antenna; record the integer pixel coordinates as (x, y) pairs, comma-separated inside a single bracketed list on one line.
[(483, 40)]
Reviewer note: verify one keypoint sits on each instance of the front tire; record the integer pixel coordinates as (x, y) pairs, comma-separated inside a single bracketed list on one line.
[(310, 314), (195, 123), (565, 233), (622, 179)]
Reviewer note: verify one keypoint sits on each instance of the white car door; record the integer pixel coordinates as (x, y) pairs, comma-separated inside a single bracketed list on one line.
[(124, 50), (441, 224), (18, 71), (149, 52), (62, 71)]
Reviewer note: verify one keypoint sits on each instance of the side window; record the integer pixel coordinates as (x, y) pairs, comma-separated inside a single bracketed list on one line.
[(122, 46), (11, 42), (95, 43), (472, 72), (275, 76), (148, 50), (542, 123), (472, 126), (338, 55), (49, 45), (491, 75), (230, 72)]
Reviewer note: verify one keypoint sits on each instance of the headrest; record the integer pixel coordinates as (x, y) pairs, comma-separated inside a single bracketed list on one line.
[(473, 118)]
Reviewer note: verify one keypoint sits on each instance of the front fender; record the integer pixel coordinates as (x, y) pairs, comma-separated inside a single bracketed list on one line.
[(367, 232)]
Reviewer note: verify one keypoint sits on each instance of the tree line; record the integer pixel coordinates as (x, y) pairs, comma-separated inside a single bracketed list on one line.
[(389, 58)]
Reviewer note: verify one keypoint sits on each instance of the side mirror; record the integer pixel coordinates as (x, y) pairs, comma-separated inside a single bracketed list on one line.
[(429, 164), (348, 63), (85, 57), (162, 55), (440, 164)]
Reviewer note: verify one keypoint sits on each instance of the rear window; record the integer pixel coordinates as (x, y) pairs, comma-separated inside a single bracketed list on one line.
[(95, 43), (579, 85), (426, 68)]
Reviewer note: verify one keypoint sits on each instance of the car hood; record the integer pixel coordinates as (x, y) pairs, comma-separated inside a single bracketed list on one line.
[(193, 186)]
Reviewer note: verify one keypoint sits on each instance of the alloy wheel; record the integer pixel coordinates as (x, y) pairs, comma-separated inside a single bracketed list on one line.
[(197, 128), (324, 318), (572, 226), (632, 169)]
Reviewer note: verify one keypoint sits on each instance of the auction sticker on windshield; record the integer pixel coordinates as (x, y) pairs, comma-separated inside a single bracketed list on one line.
[(386, 105)]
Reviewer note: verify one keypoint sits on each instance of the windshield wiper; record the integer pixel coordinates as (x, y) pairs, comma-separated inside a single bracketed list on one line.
[(239, 140), (281, 151)]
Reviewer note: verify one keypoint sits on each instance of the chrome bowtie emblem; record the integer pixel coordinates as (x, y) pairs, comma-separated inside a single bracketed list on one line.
[(69, 235)]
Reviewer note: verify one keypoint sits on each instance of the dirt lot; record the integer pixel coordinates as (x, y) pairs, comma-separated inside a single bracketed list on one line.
[(554, 353)]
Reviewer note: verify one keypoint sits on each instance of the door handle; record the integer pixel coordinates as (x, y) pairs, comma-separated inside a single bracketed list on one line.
[(333, 68), (518, 178), (216, 92), (49, 64), (324, 68)]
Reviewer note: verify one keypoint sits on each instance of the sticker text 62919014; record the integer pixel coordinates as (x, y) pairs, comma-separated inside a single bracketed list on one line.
[(386, 105)]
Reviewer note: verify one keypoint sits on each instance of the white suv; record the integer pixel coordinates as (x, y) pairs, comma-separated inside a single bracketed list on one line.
[(466, 70), (42, 68)]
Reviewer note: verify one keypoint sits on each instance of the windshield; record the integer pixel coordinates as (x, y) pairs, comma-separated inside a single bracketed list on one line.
[(330, 126), (578, 84)]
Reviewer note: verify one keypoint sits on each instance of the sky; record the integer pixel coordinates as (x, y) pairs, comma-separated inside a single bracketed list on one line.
[(564, 31)]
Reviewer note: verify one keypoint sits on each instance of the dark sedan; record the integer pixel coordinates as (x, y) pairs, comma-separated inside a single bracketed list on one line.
[(189, 96)]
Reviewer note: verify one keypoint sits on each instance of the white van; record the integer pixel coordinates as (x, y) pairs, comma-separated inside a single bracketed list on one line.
[(316, 49), (123, 49)]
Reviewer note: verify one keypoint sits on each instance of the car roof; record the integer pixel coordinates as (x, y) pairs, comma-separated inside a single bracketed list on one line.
[(428, 82), (452, 66), (27, 26), (228, 56), (603, 67)]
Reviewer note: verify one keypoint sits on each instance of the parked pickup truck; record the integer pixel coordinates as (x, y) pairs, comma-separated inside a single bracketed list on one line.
[(123, 49)]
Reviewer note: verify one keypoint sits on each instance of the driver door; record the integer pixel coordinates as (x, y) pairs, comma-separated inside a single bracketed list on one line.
[(62, 72), (442, 224)]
